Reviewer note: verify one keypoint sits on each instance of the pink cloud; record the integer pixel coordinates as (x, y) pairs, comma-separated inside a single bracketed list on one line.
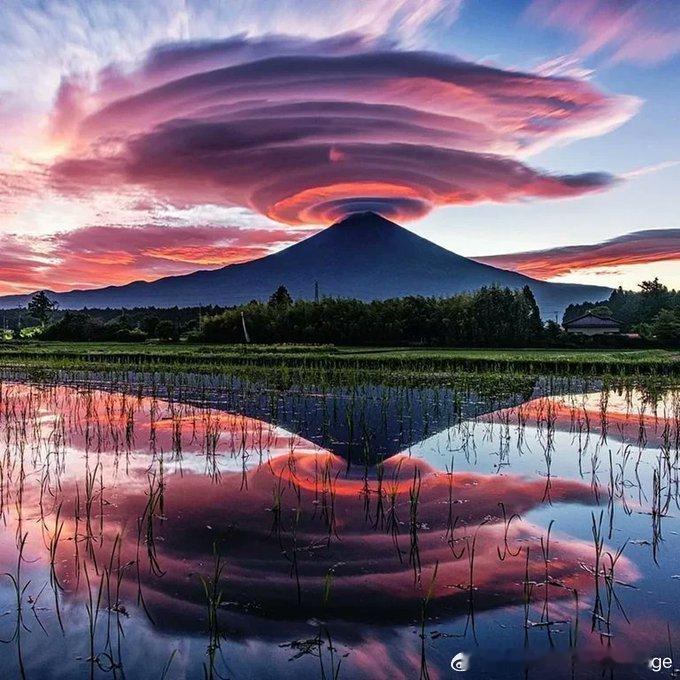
[(640, 247), (102, 255), (638, 31), (17, 186), (305, 132), (21, 266)]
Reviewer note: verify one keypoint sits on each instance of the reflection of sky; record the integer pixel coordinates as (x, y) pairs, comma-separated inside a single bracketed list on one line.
[(482, 446), (370, 584)]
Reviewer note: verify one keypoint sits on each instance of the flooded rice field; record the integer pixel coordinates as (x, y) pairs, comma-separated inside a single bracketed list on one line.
[(217, 528)]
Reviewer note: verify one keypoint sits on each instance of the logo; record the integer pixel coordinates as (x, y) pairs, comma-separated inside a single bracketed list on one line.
[(658, 663), (460, 662)]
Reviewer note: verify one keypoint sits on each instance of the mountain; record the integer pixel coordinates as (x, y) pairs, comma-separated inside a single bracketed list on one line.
[(364, 256)]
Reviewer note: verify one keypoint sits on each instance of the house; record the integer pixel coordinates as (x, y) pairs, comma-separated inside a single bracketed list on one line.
[(592, 324)]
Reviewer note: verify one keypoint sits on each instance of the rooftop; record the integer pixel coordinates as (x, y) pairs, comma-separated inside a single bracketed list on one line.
[(592, 321)]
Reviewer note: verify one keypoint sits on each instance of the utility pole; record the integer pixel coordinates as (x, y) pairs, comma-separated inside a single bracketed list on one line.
[(316, 291), (245, 330)]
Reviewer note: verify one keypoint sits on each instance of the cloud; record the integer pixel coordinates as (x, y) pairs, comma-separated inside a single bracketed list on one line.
[(20, 265), (107, 255), (306, 131), (639, 247), (17, 186), (82, 36), (649, 169), (636, 31)]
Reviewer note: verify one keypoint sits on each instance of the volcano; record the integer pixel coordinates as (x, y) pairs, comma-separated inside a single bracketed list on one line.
[(364, 256)]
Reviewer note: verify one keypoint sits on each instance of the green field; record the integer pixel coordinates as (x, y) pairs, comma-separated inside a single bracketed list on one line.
[(216, 358)]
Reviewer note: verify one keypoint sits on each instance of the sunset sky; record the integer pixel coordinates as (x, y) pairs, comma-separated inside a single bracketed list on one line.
[(142, 139)]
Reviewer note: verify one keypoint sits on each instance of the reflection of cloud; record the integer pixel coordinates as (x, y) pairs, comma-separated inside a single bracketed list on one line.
[(639, 247), (627, 418), (307, 131), (362, 559), (249, 508), (637, 31)]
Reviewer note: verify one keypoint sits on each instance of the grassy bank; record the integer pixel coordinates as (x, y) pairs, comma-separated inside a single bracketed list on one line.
[(216, 358)]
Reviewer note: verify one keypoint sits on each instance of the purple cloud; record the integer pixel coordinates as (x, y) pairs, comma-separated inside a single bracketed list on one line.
[(305, 132)]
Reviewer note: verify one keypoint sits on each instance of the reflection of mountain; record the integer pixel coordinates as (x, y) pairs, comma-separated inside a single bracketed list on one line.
[(367, 424), (363, 424), (365, 257), (299, 537)]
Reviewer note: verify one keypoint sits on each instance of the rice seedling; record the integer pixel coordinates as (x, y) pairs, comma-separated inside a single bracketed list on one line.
[(424, 672), (502, 554), (213, 596), (19, 590), (414, 552)]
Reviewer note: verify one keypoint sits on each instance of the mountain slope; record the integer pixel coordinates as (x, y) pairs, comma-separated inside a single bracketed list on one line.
[(364, 256)]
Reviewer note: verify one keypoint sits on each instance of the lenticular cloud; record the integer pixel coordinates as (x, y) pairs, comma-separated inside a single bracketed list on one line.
[(307, 132)]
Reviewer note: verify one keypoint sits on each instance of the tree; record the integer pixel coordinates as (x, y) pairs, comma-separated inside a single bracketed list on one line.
[(281, 298), (653, 288), (165, 330), (41, 307), (149, 324), (553, 333), (666, 327), (654, 297), (535, 326), (602, 310), (631, 308)]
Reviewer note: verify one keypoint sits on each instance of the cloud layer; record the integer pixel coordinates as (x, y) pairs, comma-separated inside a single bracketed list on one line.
[(307, 131), (639, 247), (100, 255)]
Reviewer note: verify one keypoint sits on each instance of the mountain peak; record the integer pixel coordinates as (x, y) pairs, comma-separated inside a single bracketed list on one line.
[(364, 219)]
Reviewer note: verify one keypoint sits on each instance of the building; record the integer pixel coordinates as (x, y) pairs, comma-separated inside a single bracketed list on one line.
[(592, 324)]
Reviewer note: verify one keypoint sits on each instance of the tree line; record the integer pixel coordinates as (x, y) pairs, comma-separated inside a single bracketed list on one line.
[(42, 317), (490, 317)]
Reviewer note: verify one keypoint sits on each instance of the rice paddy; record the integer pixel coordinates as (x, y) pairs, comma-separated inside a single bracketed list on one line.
[(311, 362), (161, 524)]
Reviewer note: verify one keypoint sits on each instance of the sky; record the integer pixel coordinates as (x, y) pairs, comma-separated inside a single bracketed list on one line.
[(139, 140)]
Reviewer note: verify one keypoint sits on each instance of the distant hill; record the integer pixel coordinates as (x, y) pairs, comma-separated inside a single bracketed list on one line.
[(364, 256)]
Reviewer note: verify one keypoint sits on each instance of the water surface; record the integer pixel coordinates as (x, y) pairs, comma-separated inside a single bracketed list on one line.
[(227, 530)]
